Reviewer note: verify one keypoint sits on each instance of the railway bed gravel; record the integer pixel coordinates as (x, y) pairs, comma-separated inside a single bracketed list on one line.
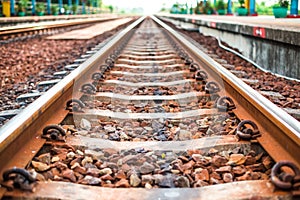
[(25, 63)]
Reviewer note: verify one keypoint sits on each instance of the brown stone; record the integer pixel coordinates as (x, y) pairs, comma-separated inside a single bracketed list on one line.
[(183, 158), (236, 159), (105, 171), (122, 183), (108, 185), (147, 179), (78, 168), (93, 172), (134, 180), (86, 160), (227, 177), (238, 170), (69, 174), (256, 175), (60, 165), (144, 123), (250, 160), (120, 175), (90, 180), (203, 175), (48, 175), (224, 169), (200, 183), (98, 163), (79, 176), (125, 168), (215, 175), (218, 161), (44, 158), (188, 165), (109, 151), (182, 182), (39, 166), (57, 178), (214, 181), (146, 168), (54, 159), (76, 160), (62, 156), (246, 176), (256, 167), (107, 177), (130, 159), (267, 162)]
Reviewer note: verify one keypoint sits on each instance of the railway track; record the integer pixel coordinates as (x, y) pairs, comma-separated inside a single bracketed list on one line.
[(151, 116), (25, 31)]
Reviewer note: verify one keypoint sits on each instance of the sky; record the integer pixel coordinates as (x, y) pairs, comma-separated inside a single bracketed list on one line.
[(153, 6), (149, 6)]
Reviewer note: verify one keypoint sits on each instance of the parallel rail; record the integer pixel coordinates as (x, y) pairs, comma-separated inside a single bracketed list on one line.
[(20, 138), (18, 30)]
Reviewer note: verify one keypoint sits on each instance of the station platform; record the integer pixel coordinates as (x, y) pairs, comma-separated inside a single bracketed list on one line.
[(272, 43), (285, 30)]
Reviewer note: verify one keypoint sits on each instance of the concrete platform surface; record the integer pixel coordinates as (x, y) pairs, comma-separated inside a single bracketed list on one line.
[(288, 24), (286, 30)]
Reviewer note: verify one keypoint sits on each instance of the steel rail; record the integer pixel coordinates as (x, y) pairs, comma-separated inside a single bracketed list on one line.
[(287, 136), (26, 119)]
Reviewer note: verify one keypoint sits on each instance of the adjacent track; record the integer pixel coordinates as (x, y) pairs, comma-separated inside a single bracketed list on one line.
[(150, 110), (47, 27)]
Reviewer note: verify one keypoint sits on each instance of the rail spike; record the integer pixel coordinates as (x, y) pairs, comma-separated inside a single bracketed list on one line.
[(103, 67), (201, 75), (194, 67), (247, 133), (188, 60), (88, 88), (98, 76), (225, 104), (212, 87), (18, 178), (286, 181), (75, 105), (54, 132), (110, 62)]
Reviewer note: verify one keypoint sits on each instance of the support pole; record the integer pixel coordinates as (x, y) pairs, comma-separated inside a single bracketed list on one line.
[(229, 7), (49, 7), (33, 7), (247, 4), (294, 7), (60, 5), (12, 7), (77, 5), (252, 7)]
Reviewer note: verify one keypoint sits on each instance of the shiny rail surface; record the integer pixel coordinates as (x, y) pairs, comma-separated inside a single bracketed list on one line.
[(150, 115)]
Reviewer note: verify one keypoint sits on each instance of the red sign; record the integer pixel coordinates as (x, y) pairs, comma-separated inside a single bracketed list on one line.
[(213, 24), (259, 32)]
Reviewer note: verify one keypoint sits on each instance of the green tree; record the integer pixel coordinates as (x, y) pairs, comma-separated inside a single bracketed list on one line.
[(111, 8)]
